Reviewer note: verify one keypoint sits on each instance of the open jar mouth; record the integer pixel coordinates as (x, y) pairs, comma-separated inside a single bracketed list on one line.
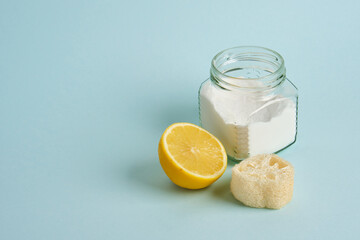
[(248, 67)]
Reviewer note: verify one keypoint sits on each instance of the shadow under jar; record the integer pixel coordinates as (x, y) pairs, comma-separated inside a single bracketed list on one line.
[(248, 103)]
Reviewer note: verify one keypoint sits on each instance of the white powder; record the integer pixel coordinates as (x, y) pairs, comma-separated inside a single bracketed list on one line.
[(247, 124)]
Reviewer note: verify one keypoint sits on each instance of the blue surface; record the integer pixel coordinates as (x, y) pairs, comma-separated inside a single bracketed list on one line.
[(88, 87)]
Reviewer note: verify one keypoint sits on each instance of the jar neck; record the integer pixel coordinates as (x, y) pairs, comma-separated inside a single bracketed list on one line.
[(249, 69)]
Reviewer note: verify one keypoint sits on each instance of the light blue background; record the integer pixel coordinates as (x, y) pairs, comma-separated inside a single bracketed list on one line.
[(88, 87)]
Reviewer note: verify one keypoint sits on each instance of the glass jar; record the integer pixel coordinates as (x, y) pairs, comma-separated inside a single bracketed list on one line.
[(248, 103)]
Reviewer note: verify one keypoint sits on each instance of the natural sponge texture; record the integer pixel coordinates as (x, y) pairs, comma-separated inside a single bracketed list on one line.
[(263, 181)]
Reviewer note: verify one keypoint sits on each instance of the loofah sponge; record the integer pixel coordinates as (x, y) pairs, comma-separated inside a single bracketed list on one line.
[(263, 181)]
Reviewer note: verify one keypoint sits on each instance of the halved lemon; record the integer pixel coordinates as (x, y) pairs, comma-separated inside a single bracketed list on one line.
[(191, 157)]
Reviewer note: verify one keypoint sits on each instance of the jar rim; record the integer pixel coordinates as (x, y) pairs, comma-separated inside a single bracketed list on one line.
[(272, 79)]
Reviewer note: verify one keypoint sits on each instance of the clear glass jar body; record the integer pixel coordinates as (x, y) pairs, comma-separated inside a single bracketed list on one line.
[(248, 103)]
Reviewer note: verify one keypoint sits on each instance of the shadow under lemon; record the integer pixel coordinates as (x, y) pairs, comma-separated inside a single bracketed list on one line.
[(149, 174)]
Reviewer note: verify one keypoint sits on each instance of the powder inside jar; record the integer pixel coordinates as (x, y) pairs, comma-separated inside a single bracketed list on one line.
[(247, 124)]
